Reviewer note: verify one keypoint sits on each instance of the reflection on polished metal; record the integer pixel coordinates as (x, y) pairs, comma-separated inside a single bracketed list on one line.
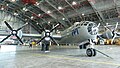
[(7, 48)]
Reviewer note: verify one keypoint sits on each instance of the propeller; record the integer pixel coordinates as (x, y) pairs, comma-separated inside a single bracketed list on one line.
[(95, 29), (98, 25), (99, 35), (117, 34), (13, 32), (47, 35), (114, 32), (107, 28)]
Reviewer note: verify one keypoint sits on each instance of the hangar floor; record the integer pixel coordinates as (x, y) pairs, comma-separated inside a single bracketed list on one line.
[(58, 57)]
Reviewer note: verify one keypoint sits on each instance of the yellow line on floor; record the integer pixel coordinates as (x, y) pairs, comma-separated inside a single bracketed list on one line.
[(68, 58)]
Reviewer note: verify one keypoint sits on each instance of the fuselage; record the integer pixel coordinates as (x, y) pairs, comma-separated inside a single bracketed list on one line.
[(79, 32)]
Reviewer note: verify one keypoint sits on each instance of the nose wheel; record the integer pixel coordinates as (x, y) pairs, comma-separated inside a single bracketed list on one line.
[(91, 52)]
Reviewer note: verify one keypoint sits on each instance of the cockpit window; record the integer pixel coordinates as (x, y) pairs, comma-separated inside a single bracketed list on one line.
[(81, 24), (90, 25), (85, 24), (91, 29), (77, 25)]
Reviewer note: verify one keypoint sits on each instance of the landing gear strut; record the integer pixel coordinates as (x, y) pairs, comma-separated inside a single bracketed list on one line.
[(91, 52)]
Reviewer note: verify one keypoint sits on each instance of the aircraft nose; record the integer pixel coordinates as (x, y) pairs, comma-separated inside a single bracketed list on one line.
[(94, 31)]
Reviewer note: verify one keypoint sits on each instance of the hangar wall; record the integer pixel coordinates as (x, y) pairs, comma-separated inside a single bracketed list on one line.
[(14, 22)]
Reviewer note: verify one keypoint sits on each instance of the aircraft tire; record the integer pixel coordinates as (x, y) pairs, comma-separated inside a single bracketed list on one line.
[(89, 52), (94, 52), (84, 46), (81, 46)]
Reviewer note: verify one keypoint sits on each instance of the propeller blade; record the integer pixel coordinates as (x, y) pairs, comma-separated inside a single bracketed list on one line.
[(8, 26), (54, 27), (43, 29), (19, 39), (21, 27), (99, 36), (107, 28), (54, 41), (98, 25), (116, 26), (6, 38), (40, 40), (113, 39), (117, 34), (114, 32)]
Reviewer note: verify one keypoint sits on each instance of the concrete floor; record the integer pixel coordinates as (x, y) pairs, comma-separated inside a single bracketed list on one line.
[(58, 57)]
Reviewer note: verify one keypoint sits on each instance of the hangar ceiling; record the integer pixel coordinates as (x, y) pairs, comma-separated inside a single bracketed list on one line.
[(46, 13)]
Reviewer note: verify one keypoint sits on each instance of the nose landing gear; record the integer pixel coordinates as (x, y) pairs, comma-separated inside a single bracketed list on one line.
[(91, 52)]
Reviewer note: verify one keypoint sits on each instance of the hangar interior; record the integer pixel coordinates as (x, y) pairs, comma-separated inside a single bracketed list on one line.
[(44, 13), (41, 15), (48, 13)]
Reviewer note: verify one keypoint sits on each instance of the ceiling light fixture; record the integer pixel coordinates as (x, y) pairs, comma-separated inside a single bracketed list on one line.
[(49, 22), (63, 18), (39, 14), (48, 12), (7, 4), (26, 22), (37, 3), (60, 8), (31, 17), (83, 14), (2, 8), (16, 14), (25, 19), (74, 3), (13, 0), (37, 23), (25, 9)]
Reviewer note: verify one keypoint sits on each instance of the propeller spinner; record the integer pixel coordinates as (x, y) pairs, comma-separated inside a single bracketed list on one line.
[(13, 32)]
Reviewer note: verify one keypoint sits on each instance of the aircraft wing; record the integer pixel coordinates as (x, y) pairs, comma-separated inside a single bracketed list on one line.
[(55, 36), (4, 32), (32, 35)]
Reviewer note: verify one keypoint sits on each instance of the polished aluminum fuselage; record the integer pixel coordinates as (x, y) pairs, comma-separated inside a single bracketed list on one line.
[(69, 38)]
